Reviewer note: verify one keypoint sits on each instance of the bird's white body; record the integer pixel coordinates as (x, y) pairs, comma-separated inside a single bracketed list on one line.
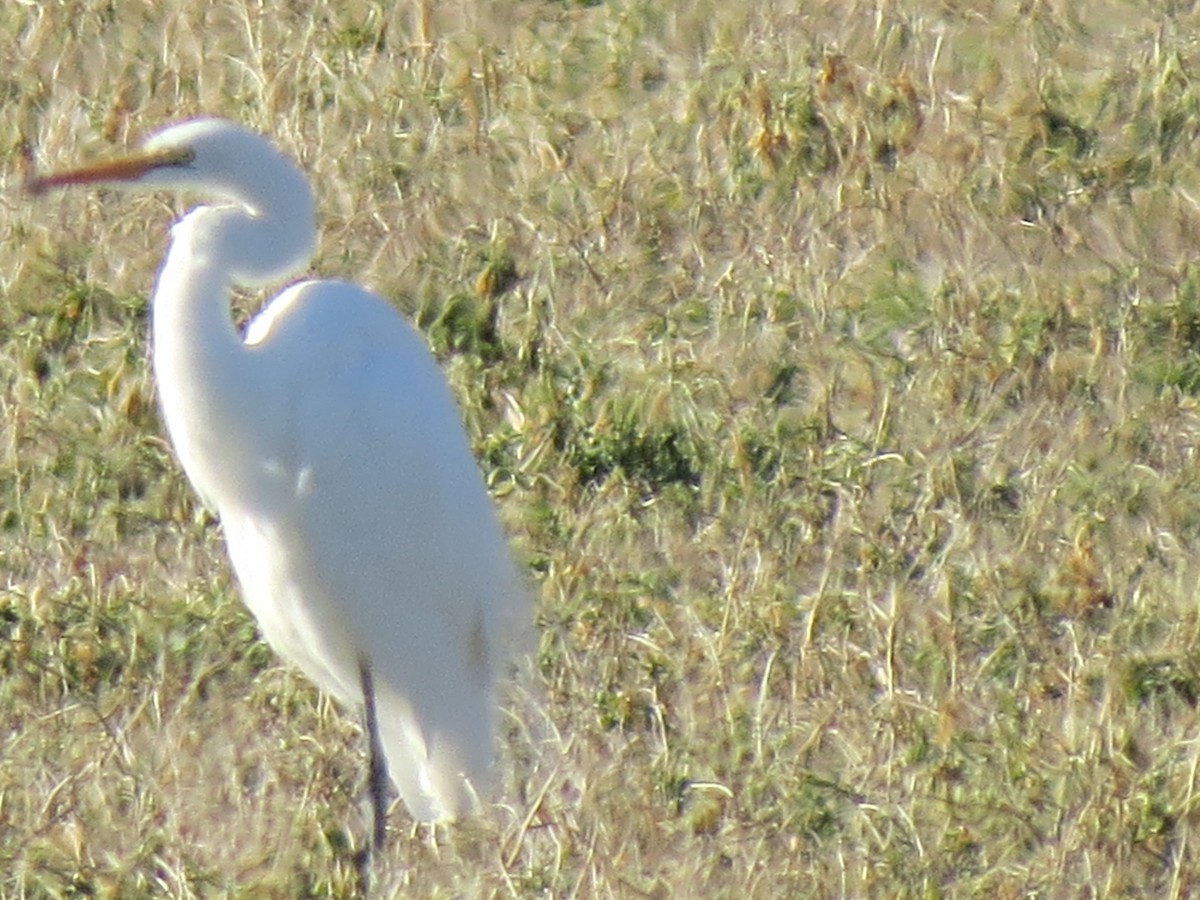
[(328, 443)]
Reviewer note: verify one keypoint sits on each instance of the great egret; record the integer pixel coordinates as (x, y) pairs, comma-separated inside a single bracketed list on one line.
[(329, 445)]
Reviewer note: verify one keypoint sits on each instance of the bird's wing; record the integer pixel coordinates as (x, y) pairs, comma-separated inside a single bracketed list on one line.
[(398, 535)]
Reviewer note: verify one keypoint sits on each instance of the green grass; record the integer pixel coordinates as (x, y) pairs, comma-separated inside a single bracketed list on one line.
[(837, 373)]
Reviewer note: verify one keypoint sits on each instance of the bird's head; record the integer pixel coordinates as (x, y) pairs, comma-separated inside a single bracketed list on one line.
[(221, 160), (214, 156)]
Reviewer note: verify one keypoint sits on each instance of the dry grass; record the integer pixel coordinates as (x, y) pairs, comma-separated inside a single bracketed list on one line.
[(844, 407)]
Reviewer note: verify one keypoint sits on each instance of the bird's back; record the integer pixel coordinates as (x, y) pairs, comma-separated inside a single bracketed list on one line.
[(377, 519)]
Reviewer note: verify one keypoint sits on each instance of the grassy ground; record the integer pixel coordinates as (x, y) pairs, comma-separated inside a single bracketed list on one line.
[(836, 373)]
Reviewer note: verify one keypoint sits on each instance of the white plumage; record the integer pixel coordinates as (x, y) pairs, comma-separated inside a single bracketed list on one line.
[(329, 445)]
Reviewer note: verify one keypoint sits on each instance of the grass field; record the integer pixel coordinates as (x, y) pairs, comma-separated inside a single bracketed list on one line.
[(836, 373)]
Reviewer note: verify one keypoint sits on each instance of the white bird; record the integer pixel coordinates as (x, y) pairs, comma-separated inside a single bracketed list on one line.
[(328, 443)]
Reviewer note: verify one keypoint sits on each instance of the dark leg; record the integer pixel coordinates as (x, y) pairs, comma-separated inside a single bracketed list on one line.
[(377, 773), (377, 777)]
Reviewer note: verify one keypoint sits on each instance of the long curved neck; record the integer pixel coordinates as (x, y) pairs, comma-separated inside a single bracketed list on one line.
[(190, 312), (211, 385), (215, 391)]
